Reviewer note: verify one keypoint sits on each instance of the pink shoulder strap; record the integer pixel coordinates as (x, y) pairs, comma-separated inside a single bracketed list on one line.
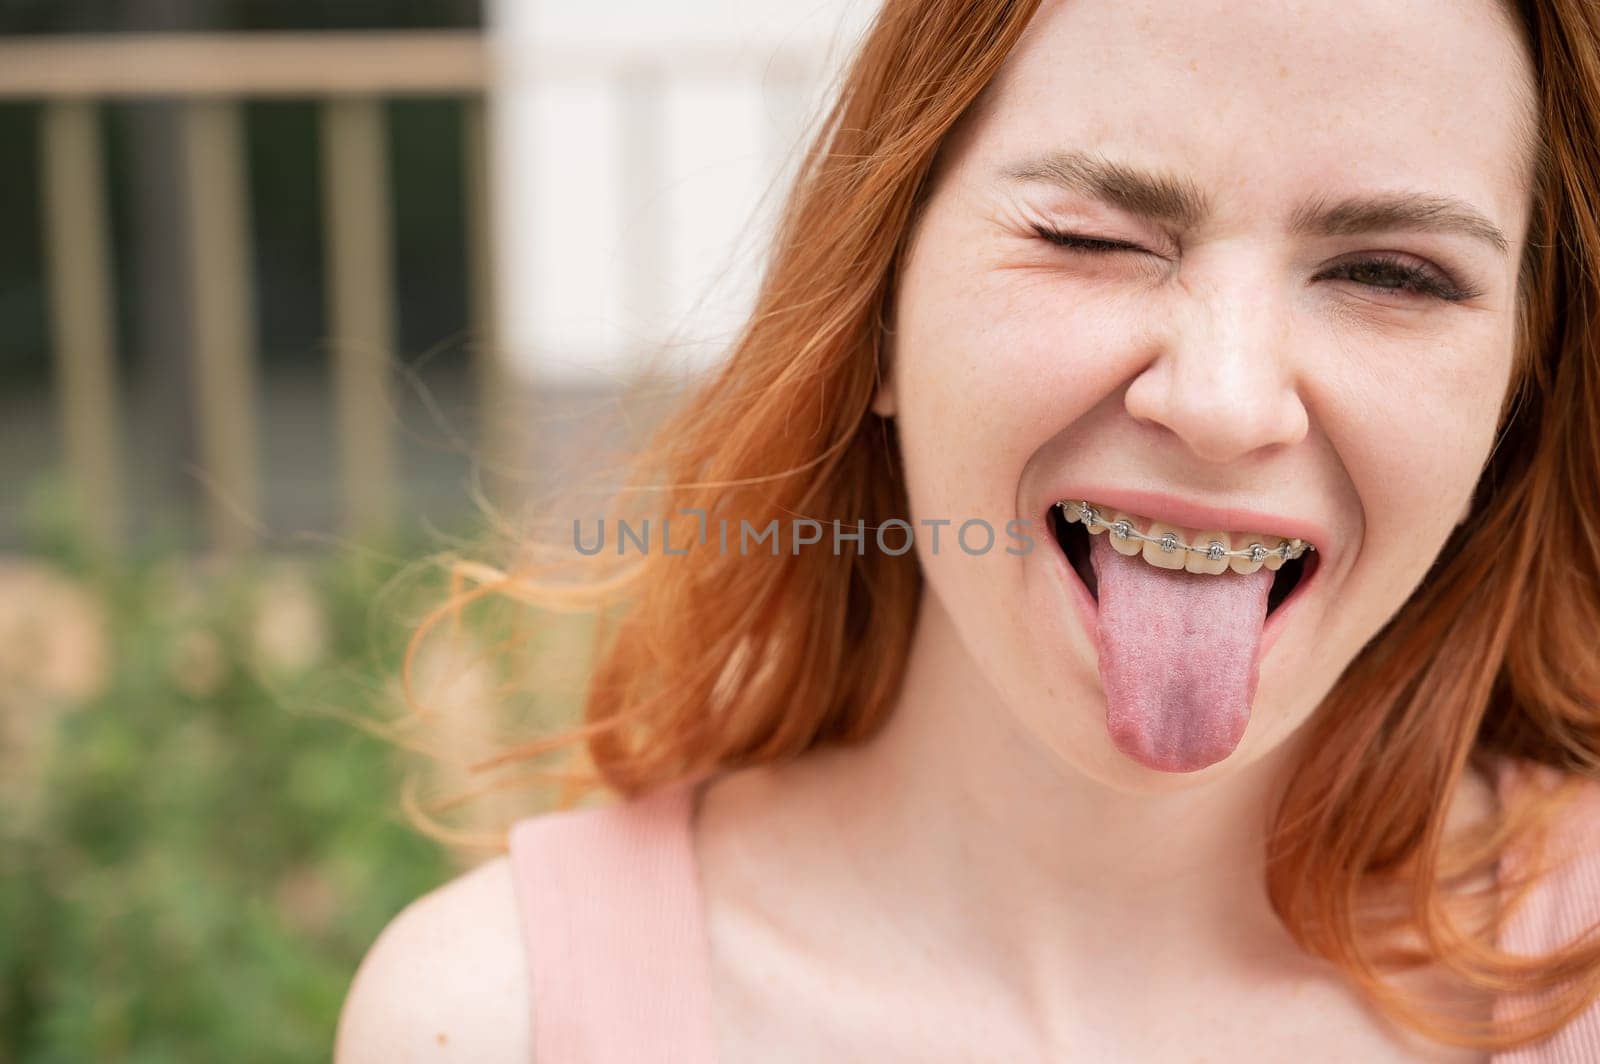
[(1561, 908), (611, 919)]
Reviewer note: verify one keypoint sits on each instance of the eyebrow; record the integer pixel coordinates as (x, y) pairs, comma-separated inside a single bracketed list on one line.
[(1180, 202)]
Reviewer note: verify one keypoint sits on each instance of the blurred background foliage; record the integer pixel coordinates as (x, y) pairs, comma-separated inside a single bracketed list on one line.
[(197, 848)]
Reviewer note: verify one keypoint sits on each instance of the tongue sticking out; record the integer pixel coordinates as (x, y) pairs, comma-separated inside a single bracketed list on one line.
[(1180, 655)]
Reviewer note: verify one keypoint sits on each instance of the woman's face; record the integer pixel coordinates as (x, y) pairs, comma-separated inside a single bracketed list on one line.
[(1299, 322)]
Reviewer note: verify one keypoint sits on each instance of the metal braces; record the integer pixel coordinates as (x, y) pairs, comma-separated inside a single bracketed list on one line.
[(1214, 551)]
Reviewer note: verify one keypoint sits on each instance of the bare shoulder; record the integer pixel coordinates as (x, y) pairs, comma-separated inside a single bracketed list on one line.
[(445, 981)]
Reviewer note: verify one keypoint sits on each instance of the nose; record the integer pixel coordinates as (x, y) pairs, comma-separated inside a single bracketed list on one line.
[(1224, 380)]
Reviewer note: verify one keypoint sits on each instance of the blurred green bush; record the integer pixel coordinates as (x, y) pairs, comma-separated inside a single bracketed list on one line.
[(195, 852)]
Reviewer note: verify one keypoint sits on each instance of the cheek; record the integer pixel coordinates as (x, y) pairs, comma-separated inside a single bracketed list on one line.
[(993, 366), (1414, 424)]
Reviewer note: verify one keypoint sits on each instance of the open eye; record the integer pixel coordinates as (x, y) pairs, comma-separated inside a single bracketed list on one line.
[(1391, 274)]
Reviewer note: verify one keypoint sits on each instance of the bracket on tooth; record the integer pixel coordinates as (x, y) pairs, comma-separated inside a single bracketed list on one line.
[(1168, 541)]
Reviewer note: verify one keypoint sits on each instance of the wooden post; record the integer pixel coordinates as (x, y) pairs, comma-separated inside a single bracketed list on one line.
[(361, 298), (77, 247), (503, 446), (222, 319)]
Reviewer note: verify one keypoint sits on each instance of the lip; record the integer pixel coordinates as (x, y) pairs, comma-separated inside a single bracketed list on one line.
[(1190, 515)]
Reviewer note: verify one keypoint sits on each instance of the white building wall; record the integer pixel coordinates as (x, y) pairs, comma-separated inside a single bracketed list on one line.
[(638, 147)]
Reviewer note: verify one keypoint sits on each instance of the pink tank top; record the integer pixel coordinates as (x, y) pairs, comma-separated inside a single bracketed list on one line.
[(618, 958)]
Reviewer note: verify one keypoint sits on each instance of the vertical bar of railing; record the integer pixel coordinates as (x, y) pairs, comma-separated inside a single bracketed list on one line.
[(361, 297), (77, 246), (500, 446), (480, 247), (222, 317)]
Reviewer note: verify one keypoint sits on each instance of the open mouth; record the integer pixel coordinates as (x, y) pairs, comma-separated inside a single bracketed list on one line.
[(1073, 539)]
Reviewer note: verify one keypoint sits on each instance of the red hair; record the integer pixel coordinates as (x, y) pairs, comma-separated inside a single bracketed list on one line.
[(713, 659)]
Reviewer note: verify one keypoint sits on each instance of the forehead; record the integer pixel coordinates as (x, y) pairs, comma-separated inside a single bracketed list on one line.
[(1269, 101)]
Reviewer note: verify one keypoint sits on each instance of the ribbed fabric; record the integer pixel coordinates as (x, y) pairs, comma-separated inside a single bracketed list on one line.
[(610, 902), (1564, 906), (617, 952)]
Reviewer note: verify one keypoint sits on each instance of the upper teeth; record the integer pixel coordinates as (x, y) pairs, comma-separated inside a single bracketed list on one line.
[(1173, 547)]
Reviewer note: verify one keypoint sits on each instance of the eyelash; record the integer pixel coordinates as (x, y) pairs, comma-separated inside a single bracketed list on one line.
[(1411, 278)]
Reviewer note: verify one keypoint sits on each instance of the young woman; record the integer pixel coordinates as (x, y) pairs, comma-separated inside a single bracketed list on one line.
[(1260, 723)]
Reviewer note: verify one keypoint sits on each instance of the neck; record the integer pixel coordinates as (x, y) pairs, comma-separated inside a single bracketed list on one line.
[(984, 833)]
